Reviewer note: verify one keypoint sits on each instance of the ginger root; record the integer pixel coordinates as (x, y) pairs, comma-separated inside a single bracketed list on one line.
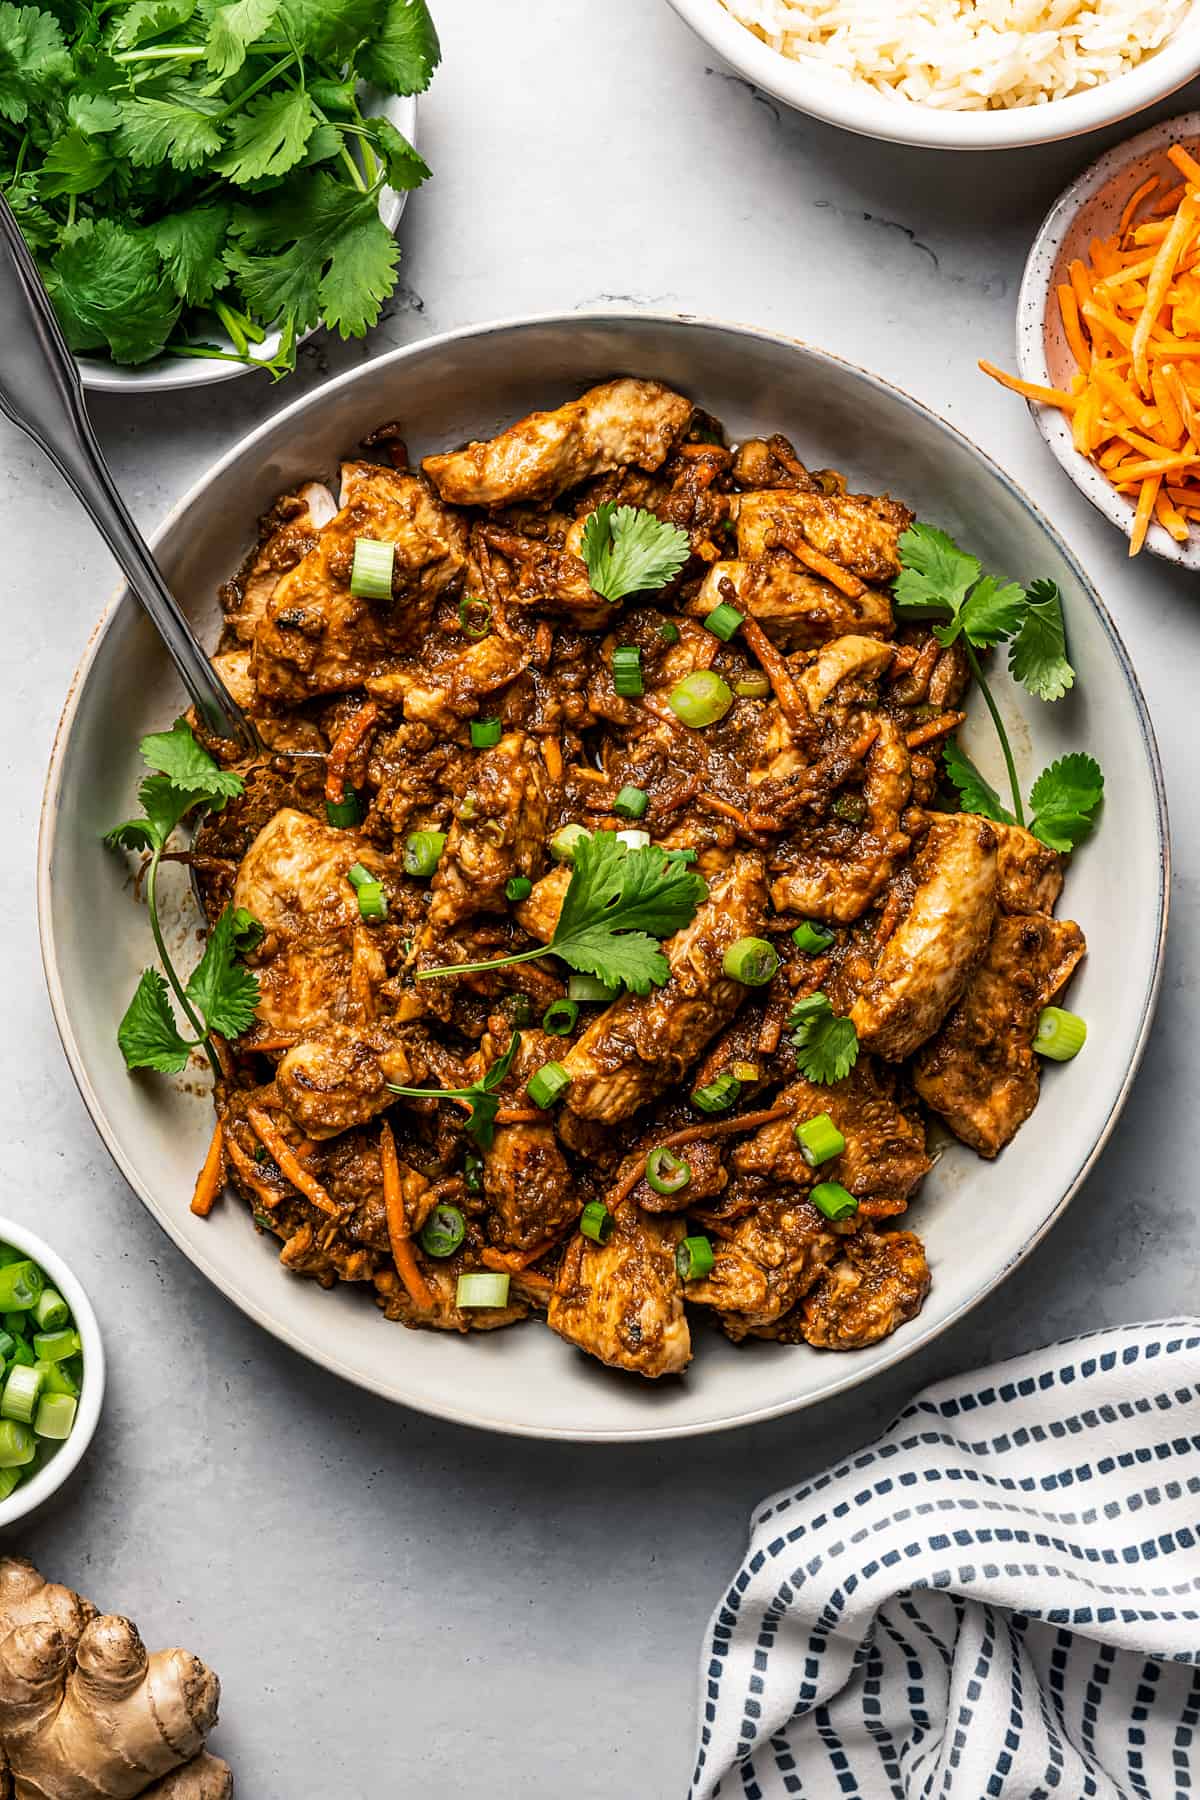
[(85, 1714)]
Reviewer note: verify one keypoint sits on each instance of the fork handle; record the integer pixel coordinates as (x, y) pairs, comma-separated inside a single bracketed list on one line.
[(41, 392)]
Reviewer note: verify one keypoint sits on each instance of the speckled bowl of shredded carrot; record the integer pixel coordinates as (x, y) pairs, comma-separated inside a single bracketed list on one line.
[(1109, 337)]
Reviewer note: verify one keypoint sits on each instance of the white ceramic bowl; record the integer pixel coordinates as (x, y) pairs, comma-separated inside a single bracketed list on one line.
[(858, 107), (1091, 207), (168, 372), (469, 384), (59, 1467)]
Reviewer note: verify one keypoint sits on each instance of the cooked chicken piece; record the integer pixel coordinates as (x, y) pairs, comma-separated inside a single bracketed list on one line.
[(878, 1284), (980, 1072), (279, 731), (927, 961), (770, 1258), (529, 1186), (539, 914), (643, 1044), (337, 1077), (706, 1180), (293, 525), (1029, 875), (827, 881), (315, 636), (857, 531), (884, 1158), (864, 658), (499, 832), (547, 579), (796, 609), (619, 422), (623, 1301), (442, 694)]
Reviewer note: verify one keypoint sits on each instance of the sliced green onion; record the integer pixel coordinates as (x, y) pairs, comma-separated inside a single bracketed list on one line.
[(667, 1173), (343, 813), (718, 1095), (56, 1346), (15, 1321), (10, 1254), (631, 803), (752, 961), (18, 1445), (559, 1017), (21, 1352), (475, 615), (21, 1285), (832, 1199), (482, 1289), (485, 733), (372, 901), (518, 888), (7, 1343), (55, 1416), (590, 987), (548, 1084), (701, 698), (423, 852), (635, 840), (752, 687), (473, 1172), (20, 1397), (627, 671), (443, 1231), (744, 1071), (9, 1479), (723, 621), (694, 1258), (851, 807), (668, 632), (596, 1222), (562, 844), (819, 1139), (683, 856), (57, 1378), (467, 808), (371, 575), (813, 936), (359, 877), (1060, 1035), (519, 1008)]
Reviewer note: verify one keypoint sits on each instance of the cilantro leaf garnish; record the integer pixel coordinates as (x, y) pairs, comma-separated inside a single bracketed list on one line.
[(935, 574), (187, 765), (220, 986), (975, 791), (269, 137), (148, 1035), (33, 60), (1038, 655), (629, 551), (620, 903), (826, 1046), (482, 1094), (1065, 799), (403, 49), (110, 292)]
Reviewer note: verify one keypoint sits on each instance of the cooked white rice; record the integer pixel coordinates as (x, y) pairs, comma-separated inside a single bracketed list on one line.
[(966, 55)]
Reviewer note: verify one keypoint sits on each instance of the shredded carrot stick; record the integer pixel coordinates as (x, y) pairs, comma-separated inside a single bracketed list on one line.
[(552, 757), (1168, 406), (1068, 307), (1166, 203), (1187, 165), (691, 1134), (268, 1196), (1031, 389), (348, 740), (1081, 281), (403, 1255), (287, 1041), (1124, 397), (1141, 517), (822, 565), (1169, 519), (712, 803), (934, 728), (1134, 201), (284, 1158), (791, 700), (305, 1148), (212, 1175), (1169, 252), (519, 1115), (516, 1260)]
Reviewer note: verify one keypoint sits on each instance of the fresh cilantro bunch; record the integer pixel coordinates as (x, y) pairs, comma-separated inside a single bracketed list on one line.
[(620, 903), (482, 1095), (220, 994), (826, 1046), (179, 165), (631, 551), (938, 580)]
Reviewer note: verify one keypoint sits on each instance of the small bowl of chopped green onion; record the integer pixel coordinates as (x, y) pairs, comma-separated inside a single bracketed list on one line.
[(51, 1372)]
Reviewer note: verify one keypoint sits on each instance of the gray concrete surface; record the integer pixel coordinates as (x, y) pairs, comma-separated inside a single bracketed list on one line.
[(397, 1606)]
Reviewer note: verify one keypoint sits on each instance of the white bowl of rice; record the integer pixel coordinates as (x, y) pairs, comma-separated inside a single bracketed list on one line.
[(958, 74)]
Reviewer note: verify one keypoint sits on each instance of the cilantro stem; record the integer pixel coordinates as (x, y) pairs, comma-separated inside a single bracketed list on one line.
[(276, 68), (476, 968), (998, 722), (190, 1013), (178, 52), (20, 162), (355, 177)]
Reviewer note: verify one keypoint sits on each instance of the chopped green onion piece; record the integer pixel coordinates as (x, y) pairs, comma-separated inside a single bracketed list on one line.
[(590, 987), (371, 574), (20, 1397), (485, 733), (343, 813), (752, 687), (7, 1344), (548, 1084), (667, 1173), (56, 1346), (475, 615), (635, 840), (819, 1139), (669, 632), (519, 888), (423, 852), (519, 1008), (744, 1071), (372, 901), (694, 1258), (596, 1222), (701, 698), (683, 856), (473, 1172), (562, 844), (467, 807), (559, 1017), (20, 1286), (718, 1095), (15, 1321), (631, 803), (627, 671), (18, 1445), (752, 961), (443, 1231), (359, 877), (723, 621), (813, 936), (832, 1199), (55, 1416), (1060, 1034), (10, 1254), (56, 1378), (850, 807), (482, 1289), (22, 1353), (9, 1479)]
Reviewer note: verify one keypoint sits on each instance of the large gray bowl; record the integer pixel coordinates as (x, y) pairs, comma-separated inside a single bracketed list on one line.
[(978, 1219)]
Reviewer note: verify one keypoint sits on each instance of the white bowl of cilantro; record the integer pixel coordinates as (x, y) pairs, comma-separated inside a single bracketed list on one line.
[(204, 188), (51, 1371)]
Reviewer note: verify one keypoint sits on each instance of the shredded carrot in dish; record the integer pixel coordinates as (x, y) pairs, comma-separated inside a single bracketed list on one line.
[(1130, 312), (284, 1158), (348, 740), (832, 572), (403, 1254), (211, 1176)]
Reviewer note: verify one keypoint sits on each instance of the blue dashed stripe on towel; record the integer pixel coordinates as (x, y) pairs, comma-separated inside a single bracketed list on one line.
[(998, 1600)]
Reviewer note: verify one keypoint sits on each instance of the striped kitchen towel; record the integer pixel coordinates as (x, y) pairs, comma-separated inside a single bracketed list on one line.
[(999, 1598)]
